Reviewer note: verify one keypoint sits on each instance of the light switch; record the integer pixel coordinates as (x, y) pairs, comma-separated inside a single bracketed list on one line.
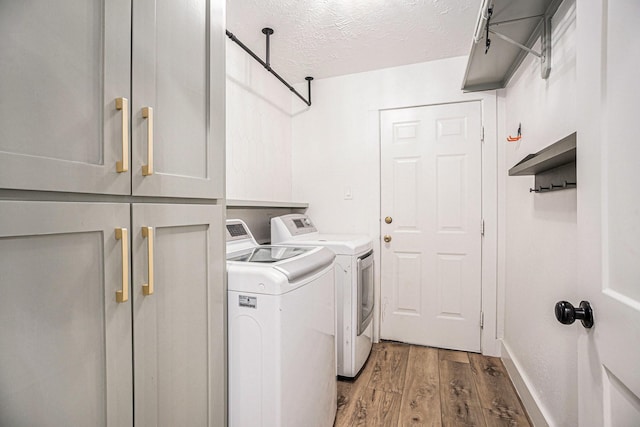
[(347, 193)]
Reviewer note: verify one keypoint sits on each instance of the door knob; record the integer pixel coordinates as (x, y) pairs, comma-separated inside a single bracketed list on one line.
[(566, 313), (387, 238), (388, 220)]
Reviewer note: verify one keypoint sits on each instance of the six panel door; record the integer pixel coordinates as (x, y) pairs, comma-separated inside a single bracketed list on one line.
[(179, 318), (65, 339), (64, 64), (431, 188)]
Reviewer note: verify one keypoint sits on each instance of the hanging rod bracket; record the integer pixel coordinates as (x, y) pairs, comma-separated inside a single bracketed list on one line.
[(267, 32), (267, 64), (308, 79)]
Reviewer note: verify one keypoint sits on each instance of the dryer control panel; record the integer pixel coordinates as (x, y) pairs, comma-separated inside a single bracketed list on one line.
[(293, 225)]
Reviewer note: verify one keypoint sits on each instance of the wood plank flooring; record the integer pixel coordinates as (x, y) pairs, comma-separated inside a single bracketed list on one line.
[(407, 385)]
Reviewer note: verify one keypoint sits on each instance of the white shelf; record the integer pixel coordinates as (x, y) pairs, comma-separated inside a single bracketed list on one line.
[(522, 22), (265, 204)]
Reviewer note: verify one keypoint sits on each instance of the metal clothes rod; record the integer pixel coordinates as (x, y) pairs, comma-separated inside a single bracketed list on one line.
[(268, 32)]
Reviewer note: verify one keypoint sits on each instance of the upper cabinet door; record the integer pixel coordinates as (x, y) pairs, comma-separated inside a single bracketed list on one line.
[(65, 324), (63, 64), (178, 98)]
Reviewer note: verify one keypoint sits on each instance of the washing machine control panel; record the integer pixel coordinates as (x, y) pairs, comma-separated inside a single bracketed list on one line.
[(237, 230)]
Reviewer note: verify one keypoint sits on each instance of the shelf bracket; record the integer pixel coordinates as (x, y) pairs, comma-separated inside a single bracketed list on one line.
[(545, 41), (513, 42)]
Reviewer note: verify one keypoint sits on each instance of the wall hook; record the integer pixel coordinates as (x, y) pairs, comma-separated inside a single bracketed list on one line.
[(516, 138)]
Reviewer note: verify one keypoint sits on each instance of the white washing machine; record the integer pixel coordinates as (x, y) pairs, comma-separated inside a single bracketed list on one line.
[(354, 285), (281, 323)]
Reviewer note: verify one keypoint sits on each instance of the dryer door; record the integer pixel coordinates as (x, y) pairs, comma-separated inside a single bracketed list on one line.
[(365, 291)]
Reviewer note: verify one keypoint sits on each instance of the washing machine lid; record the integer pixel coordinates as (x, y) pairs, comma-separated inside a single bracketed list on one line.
[(276, 270), (268, 254), (275, 264)]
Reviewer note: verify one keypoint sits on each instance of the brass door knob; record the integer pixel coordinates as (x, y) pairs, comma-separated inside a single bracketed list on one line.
[(387, 238), (388, 220)]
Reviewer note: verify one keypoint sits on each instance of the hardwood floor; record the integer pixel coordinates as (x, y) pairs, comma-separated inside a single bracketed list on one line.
[(407, 385)]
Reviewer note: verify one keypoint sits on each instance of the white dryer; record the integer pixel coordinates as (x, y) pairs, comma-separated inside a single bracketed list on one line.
[(354, 285), (281, 326)]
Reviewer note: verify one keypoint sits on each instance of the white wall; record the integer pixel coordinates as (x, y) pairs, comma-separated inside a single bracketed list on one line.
[(539, 230), (258, 131), (336, 148)]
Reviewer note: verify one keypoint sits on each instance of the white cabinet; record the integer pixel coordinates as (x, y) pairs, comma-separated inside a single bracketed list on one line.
[(118, 100), (178, 98), (65, 66), (62, 66), (65, 340), (67, 356), (177, 325)]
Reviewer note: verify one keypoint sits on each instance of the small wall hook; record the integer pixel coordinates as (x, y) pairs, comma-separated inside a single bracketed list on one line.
[(516, 138)]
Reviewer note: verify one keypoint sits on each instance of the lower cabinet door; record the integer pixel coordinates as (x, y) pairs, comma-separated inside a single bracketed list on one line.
[(178, 315), (65, 340)]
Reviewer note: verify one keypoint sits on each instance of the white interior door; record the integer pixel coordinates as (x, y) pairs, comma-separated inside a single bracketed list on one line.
[(609, 212), (431, 192)]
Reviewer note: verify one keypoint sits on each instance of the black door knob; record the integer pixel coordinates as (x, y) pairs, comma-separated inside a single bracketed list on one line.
[(566, 313)]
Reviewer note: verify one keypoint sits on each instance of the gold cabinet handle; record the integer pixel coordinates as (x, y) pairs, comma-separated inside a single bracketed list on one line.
[(387, 238), (123, 104), (123, 294), (147, 288), (147, 113), (388, 220)]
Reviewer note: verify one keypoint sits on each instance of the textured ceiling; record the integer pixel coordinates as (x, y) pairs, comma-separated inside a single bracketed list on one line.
[(325, 38)]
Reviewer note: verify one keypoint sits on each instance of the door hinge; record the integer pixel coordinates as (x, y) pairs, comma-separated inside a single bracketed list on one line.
[(482, 227), (482, 137), (481, 319)]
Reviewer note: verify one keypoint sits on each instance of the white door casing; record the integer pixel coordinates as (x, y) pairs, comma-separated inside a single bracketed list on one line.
[(431, 188), (609, 212)]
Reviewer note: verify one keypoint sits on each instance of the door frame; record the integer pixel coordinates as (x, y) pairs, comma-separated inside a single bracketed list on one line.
[(491, 281)]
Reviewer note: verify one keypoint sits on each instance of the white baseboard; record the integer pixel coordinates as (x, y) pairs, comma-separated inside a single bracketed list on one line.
[(523, 387)]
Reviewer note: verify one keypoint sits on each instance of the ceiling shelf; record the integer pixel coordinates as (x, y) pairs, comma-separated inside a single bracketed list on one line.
[(513, 27)]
